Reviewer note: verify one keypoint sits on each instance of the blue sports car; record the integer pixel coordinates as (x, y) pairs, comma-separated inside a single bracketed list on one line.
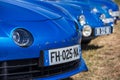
[(38, 42), (108, 5), (94, 20)]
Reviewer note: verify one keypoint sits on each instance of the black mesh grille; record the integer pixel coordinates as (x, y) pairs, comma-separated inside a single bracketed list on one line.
[(29, 69)]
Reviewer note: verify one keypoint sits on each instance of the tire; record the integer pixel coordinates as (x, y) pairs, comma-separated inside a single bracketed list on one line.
[(86, 42), (69, 78)]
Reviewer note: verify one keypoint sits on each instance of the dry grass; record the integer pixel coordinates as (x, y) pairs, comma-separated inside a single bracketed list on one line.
[(102, 56), (117, 1)]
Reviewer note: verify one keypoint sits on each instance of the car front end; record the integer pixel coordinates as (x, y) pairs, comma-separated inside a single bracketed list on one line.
[(111, 6), (94, 21), (37, 43)]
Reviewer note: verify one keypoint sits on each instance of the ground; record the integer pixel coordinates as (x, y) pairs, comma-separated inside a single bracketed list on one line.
[(117, 1), (102, 56)]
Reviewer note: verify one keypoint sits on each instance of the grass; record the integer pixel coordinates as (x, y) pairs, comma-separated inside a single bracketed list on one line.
[(102, 56), (117, 1)]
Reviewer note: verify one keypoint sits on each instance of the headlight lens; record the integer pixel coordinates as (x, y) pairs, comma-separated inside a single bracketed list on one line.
[(110, 12), (102, 17), (82, 20), (22, 37), (87, 31)]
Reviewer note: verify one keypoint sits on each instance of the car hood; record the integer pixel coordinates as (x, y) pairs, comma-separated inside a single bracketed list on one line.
[(21, 10), (76, 8), (73, 9), (86, 5), (52, 7), (109, 3), (101, 8), (93, 19), (51, 31)]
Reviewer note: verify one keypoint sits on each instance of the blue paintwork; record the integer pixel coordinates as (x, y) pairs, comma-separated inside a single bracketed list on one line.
[(89, 4), (70, 73), (106, 5), (109, 3), (51, 29), (77, 8)]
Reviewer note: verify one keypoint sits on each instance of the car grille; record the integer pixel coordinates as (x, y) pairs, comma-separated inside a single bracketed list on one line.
[(29, 69)]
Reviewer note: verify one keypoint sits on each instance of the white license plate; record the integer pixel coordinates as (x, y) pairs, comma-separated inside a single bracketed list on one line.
[(63, 55), (103, 31)]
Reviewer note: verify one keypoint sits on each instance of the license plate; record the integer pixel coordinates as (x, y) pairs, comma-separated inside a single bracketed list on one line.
[(63, 55), (102, 31)]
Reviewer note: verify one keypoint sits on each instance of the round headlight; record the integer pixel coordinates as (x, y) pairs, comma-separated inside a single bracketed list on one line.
[(110, 12), (22, 37), (102, 17), (82, 20), (87, 31)]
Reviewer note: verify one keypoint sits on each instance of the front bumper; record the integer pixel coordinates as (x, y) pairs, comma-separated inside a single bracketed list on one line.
[(94, 33), (81, 68), (30, 70), (108, 20)]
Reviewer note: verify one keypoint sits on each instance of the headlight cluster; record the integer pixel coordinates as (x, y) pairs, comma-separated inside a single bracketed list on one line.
[(110, 12), (87, 31), (106, 20), (103, 17), (22, 37), (82, 20), (114, 13)]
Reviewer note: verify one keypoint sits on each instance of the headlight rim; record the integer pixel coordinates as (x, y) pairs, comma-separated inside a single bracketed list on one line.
[(83, 33), (82, 20), (102, 16), (24, 37), (110, 12)]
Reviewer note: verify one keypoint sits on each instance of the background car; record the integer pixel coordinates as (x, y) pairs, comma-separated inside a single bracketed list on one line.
[(91, 19), (37, 42), (108, 5)]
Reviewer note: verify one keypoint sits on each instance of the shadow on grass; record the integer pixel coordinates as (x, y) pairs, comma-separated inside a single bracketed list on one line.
[(90, 47), (68, 78)]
